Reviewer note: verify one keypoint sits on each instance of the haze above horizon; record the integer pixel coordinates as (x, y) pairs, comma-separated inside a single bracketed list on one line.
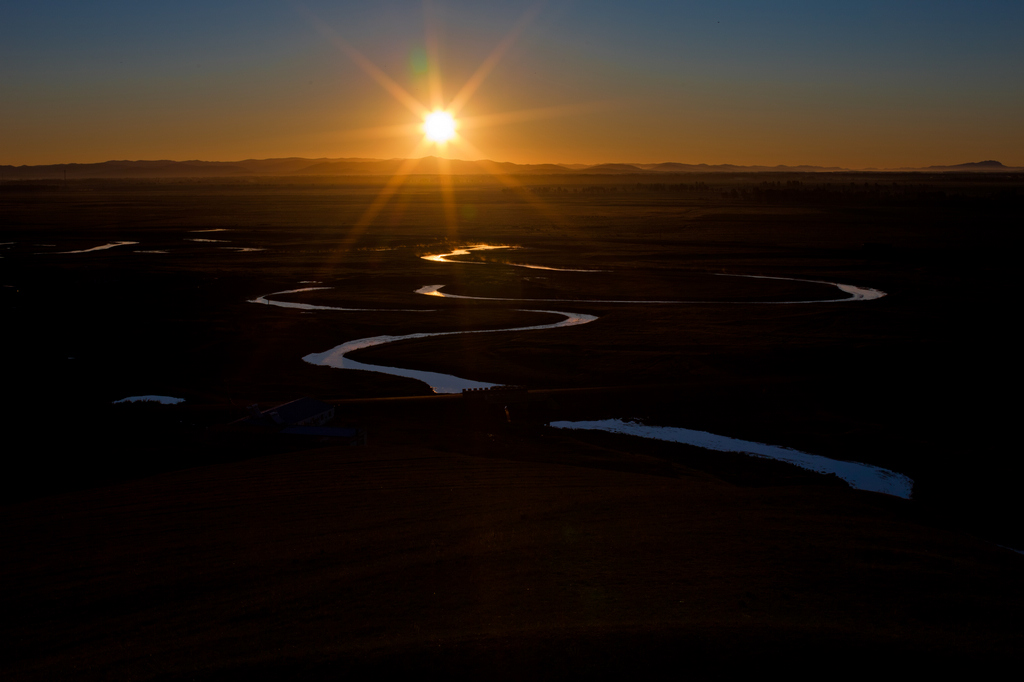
[(875, 85)]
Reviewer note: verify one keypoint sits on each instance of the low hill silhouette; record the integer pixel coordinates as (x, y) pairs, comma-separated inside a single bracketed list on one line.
[(429, 165)]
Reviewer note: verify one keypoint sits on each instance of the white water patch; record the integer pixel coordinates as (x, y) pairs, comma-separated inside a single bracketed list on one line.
[(212, 229), (443, 257), (214, 241), (240, 249), (859, 476), (309, 306), (439, 383), (95, 248), (861, 293), (856, 293), (435, 290), (162, 399), (544, 267)]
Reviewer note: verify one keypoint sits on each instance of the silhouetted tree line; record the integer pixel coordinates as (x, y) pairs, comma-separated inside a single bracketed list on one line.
[(558, 189), (639, 187), (971, 191), (878, 194), (968, 191), (680, 188), (28, 187)]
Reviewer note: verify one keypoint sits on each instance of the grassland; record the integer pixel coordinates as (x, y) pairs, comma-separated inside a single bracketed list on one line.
[(116, 512)]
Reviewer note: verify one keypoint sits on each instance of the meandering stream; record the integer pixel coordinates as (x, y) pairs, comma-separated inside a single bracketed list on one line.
[(440, 383), (446, 383), (860, 476), (857, 475)]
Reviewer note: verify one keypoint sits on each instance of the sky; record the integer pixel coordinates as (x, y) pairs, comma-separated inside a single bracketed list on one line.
[(852, 84)]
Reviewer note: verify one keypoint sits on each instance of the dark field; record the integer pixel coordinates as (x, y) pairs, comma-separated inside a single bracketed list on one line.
[(147, 541)]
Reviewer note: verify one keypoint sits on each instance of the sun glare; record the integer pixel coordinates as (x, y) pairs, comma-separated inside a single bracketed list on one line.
[(439, 126)]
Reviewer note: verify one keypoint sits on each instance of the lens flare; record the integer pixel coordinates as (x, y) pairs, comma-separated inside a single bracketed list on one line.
[(439, 126)]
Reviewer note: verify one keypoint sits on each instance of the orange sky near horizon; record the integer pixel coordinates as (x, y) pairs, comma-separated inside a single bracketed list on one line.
[(879, 86)]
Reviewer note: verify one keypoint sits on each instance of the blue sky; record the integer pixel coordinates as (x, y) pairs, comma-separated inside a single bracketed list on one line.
[(851, 84)]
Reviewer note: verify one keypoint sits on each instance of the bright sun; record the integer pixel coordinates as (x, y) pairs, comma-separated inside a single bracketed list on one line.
[(439, 126)]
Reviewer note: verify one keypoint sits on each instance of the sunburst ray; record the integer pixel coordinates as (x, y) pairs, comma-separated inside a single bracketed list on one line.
[(485, 68), (441, 142)]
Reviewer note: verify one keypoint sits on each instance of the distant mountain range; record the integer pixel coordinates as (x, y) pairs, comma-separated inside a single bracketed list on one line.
[(982, 166), (430, 165)]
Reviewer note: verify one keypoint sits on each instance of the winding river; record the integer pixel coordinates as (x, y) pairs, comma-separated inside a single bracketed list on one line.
[(440, 383), (446, 383), (857, 475), (308, 306), (103, 247), (464, 251)]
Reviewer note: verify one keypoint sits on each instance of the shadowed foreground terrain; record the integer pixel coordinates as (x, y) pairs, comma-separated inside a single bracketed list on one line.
[(410, 557), (148, 541)]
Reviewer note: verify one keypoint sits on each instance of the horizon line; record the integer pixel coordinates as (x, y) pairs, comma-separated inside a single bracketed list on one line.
[(642, 166)]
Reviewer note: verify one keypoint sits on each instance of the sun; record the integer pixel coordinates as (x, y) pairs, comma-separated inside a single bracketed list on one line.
[(439, 126)]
